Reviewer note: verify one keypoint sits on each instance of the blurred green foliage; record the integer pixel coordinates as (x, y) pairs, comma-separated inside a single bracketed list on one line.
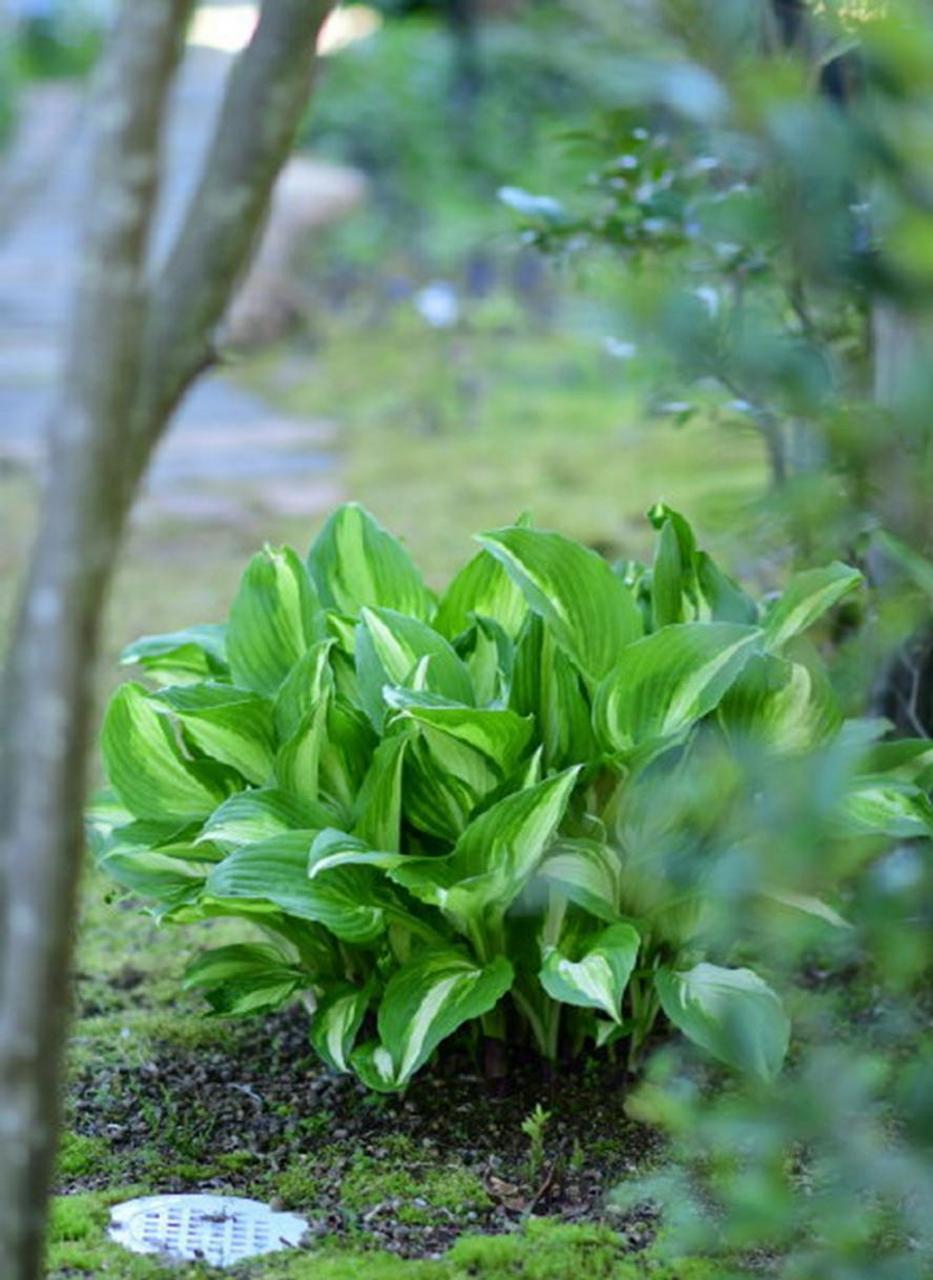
[(763, 200), (391, 104), (58, 41)]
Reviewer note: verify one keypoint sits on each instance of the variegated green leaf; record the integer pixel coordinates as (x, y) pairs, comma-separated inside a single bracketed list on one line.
[(336, 1023), (589, 610), (731, 1013), (547, 685), (379, 807), (346, 900), (587, 872), (807, 597), (146, 766), (593, 974), (669, 575), (494, 858), (298, 761), (428, 998), (251, 816), (782, 705), (306, 685), (484, 589), (394, 650), (244, 978), (882, 807), (668, 681), (726, 600), (274, 619), (355, 563), (228, 724), (178, 657), (498, 734)]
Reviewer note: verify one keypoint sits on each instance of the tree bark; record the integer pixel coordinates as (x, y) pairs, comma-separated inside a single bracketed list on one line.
[(136, 345)]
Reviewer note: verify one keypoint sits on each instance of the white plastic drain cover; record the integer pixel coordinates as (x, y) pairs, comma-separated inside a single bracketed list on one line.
[(216, 1229)]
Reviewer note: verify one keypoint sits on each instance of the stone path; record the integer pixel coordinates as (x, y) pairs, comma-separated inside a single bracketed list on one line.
[(226, 447)]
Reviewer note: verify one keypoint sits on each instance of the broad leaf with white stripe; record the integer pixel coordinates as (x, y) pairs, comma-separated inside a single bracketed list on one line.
[(229, 724), (337, 1021), (355, 562), (807, 596), (668, 681), (429, 998), (594, 972), (146, 766), (590, 611), (274, 619)]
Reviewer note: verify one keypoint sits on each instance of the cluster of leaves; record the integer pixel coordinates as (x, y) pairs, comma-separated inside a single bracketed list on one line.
[(490, 808)]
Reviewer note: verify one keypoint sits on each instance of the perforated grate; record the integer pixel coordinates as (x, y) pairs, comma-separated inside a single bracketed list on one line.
[(216, 1229)]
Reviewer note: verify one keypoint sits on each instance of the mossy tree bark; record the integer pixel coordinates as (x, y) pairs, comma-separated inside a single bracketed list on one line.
[(137, 342)]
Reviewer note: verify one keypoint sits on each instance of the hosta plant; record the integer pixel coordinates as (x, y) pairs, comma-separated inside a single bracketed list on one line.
[(488, 810)]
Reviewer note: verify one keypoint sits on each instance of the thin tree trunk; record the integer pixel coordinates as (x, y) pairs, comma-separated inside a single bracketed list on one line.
[(135, 347)]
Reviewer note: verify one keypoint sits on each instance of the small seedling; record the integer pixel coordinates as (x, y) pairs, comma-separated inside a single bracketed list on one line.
[(534, 1127)]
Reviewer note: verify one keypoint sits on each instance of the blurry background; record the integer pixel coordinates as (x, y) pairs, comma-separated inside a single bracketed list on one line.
[(401, 344), (570, 256)]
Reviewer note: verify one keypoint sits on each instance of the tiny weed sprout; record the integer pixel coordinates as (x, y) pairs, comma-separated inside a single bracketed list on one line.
[(534, 1127), (501, 810)]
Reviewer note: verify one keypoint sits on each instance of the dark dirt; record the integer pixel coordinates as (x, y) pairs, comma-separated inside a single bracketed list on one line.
[(257, 1113)]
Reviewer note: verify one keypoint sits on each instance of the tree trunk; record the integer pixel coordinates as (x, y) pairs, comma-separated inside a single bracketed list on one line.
[(135, 347)]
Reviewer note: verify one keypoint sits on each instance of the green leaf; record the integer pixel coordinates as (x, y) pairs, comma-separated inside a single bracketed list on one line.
[(586, 872), (498, 734), (146, 766), (494, 858), (394, 650), (231, 725), (428, 998), (782, 705), (336, 1023), (807, 596), (902, 759), (590, 611), (917, 567), (482, 588), (547, 685), (668, 681), (667, 579), (244, 978), (298, 761), (595, 975), (355, 563), (345, 900), (879, 806), (177, 657), (274, 619), (306, 685), (379, 806), (251, 816), (726, 600), (731, 1013), (346, 754), (489, 656), (165, 875)]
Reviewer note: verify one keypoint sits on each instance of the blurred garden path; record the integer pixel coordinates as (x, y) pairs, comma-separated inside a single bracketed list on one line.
[(226, 448)]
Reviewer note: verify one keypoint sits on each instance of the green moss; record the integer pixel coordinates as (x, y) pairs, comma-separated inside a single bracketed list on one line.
[(417, 1187), (299, 1186), (544, 1250), (79, 1155)]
